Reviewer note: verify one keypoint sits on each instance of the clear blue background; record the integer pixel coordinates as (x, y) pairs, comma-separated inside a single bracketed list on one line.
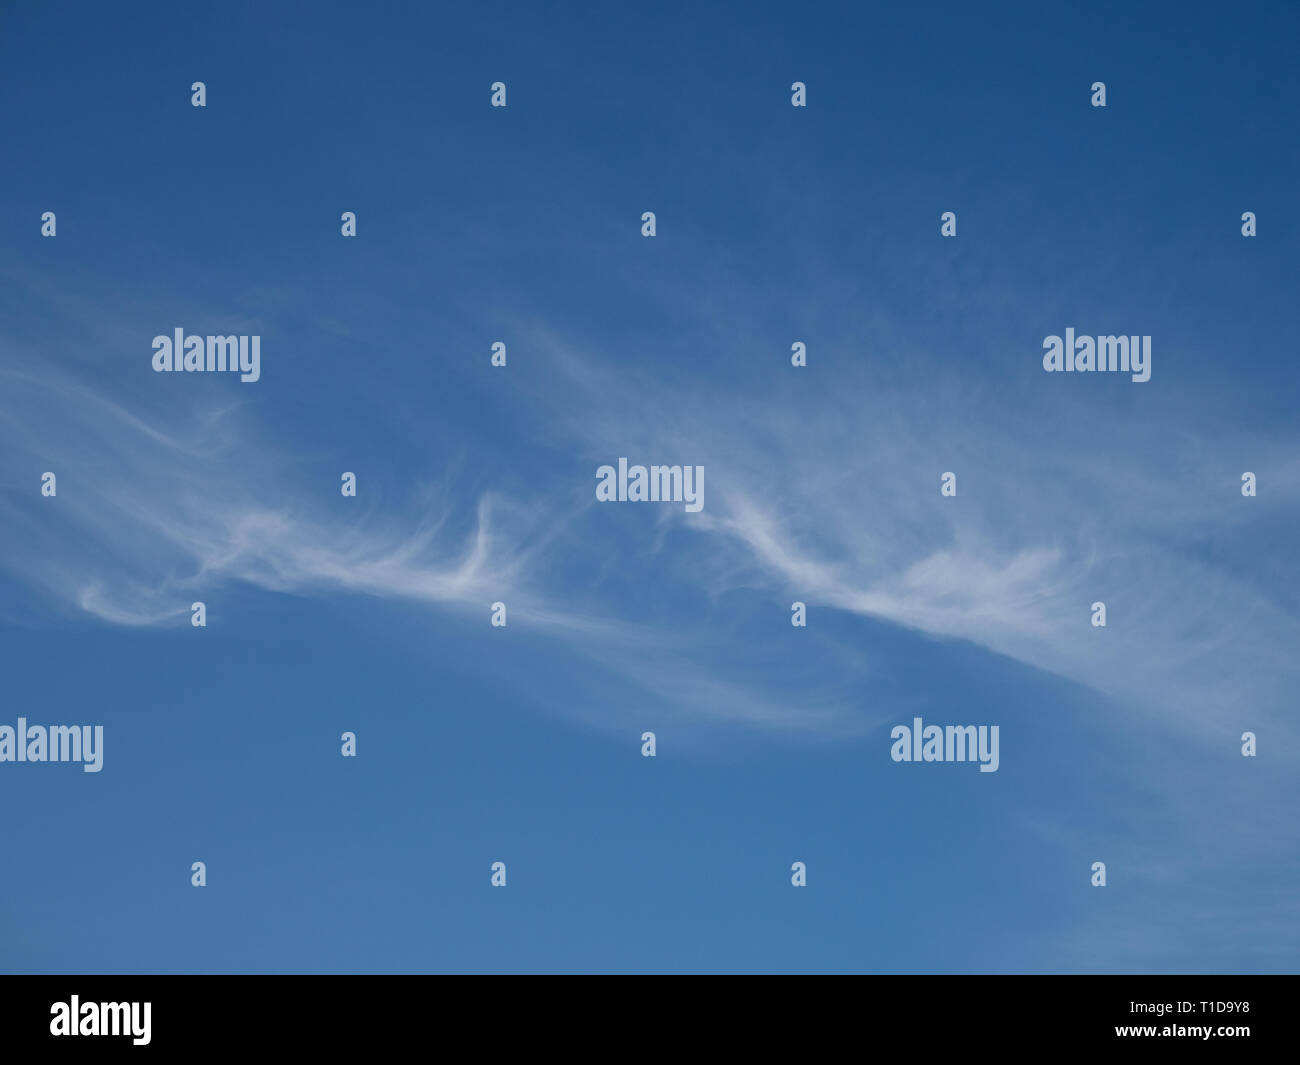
[(478, 224)]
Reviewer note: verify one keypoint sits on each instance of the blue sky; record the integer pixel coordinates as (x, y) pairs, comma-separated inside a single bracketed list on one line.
[(475, 484)]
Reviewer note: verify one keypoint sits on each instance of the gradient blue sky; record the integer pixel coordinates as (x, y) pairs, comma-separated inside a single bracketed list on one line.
[(476, 484)]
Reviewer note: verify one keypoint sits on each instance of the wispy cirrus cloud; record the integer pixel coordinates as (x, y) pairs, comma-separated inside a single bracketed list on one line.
[(831, 493), (824, 489), (156, 511)]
